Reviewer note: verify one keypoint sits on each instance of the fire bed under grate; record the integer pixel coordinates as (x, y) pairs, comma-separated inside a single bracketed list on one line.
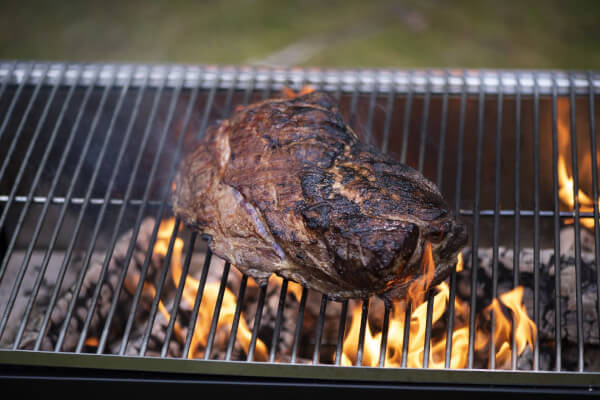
[(90, 152)]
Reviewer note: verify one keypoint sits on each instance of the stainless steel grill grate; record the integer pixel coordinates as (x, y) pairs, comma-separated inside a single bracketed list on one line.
[(90, 151)]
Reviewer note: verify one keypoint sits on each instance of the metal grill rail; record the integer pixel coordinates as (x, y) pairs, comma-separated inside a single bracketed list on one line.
[(185, 87)]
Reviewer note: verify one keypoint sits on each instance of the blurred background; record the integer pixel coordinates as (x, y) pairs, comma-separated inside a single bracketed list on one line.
[(425, 33)]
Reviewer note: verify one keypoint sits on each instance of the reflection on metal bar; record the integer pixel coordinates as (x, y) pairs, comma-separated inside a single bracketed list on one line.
[(236, 317), (557, 305), (278, 318), (199, 295), (341, 330), (423, 130), (517, 219), (457, 198), (216, 312), (475, 241), (257, 317), (575, 170), (496, 228), (319, 330), (178, 294), (592, 120), (299, 323), (361, 334), (536, 222)]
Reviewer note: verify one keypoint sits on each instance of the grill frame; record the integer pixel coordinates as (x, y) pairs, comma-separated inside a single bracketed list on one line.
[(373, 82)]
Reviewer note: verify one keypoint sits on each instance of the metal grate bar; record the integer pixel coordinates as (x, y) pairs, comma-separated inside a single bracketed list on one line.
[(421, 162), (388, 120), (159, 289), (353, 105), (443, 126), (577, 225), (23, 268), (78, 224), (257, 317), (427, 342), (341, 329), (406, 334), (536, 222), (266, 93), (217, 311), (278, 318), (179, 293), (458, 188), (197, 302), (319, 329), (94, 201), (475, 242), (496, 227), (77, 201), (236, 317), (361, 334), (66, 150), (517, 226), (370, 115), (557, 261), (424, 121), (384, 334), (250, 88), (592, 120), (299, 322), (406, 123)]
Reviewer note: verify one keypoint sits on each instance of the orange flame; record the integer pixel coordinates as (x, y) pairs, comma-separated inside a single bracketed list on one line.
[(209, 299), (566, 192), (290, 94), (459, 264), (418, 288), (525, 332)]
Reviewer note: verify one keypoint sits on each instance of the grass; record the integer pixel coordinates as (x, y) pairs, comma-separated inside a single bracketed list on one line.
[(477, 34)]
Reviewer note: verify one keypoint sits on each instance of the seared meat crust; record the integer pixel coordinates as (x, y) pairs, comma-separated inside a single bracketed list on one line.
[(285, 186)]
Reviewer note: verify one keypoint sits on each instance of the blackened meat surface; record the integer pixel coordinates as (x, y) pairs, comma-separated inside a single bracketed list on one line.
[(285, 186)]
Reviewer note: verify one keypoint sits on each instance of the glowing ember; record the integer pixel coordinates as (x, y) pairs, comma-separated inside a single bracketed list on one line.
[(92, 341)]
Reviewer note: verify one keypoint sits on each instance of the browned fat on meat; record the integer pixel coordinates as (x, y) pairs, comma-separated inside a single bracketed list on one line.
[(285, 186)]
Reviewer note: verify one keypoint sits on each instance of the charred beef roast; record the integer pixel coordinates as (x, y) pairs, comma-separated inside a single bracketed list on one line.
[(285, 186)]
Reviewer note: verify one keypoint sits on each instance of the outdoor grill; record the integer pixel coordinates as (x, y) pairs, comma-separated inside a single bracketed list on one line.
[(99, 283)]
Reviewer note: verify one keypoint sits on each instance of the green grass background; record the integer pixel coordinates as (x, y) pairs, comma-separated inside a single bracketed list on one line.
[(427, 33)]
